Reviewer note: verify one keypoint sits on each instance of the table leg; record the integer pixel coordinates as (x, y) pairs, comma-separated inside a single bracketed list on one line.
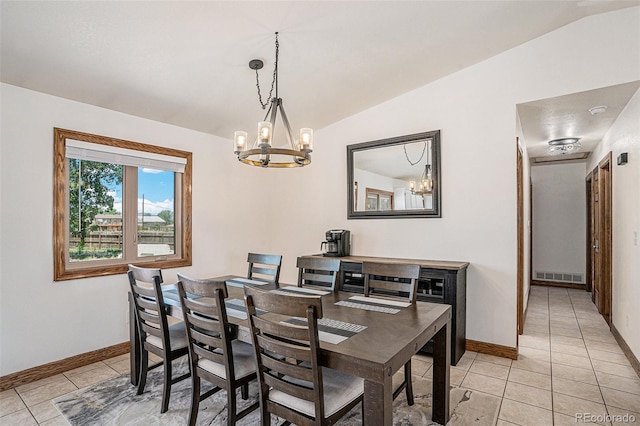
[(441, 360), (134, 347), (378, 402)]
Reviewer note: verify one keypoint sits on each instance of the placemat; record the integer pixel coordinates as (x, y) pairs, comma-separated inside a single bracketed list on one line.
[(329, 330), (374, 304), (237, 309), (300, 290), (240, 282)]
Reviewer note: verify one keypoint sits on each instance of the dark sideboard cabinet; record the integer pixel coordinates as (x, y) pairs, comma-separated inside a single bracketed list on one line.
[(439, 282)]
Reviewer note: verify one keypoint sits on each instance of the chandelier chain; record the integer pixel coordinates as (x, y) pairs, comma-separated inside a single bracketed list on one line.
[(273, 82), (424, 149)]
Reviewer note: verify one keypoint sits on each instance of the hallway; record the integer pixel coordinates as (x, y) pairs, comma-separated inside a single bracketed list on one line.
[(570, 357)]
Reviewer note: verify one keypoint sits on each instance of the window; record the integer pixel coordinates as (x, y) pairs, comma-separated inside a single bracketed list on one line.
[(118, 202)]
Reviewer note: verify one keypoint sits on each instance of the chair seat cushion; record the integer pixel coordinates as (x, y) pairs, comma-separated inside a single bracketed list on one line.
[(339, 390), (177, 337), (243, 361)]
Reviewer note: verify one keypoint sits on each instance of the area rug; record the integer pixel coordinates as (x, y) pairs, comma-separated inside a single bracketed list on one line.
[(115, 403)]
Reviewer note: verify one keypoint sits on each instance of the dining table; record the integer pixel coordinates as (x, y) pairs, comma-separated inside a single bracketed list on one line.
[(381, 340)]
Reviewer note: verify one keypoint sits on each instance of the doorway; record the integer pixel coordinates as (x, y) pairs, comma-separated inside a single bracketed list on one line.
[(600, 237)]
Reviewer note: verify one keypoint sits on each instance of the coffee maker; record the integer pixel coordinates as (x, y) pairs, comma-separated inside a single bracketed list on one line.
[(337, 244)]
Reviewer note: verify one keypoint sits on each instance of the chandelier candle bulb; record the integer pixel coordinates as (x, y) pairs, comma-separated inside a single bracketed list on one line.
[(264, 133), (306, 139), (240, 141)]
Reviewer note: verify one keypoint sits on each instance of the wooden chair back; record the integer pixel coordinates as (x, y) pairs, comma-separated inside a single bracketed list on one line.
[(264, 267), (205, 318), (318, 272), (391, 278), (287, 355), (149, 304)]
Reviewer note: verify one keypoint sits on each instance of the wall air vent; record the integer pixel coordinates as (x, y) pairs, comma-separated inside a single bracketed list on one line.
[(563, 277)]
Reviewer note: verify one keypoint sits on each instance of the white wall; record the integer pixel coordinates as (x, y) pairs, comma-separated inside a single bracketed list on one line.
[(43, 321), (475, 110), (624, 136), (291, 209), (559, 218)]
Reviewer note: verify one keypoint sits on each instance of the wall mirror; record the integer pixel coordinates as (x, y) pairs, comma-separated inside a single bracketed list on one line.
[(394, 178)]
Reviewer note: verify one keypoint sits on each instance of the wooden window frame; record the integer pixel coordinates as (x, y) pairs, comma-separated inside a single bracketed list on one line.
[(62, 268)]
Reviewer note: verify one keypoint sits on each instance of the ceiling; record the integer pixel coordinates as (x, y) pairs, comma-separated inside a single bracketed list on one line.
[(569, 116), (186, 63)]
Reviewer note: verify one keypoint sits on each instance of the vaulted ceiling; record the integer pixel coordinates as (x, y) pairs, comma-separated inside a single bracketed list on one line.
[(186, 63)]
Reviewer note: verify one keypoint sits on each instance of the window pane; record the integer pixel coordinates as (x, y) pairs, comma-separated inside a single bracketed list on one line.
[(156, 207), (95, 210)]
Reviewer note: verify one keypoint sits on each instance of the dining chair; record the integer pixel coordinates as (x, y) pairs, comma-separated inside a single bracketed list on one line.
[(395, 280), (214, 355), (169, 342), (264, 267), (292, 383), (318, 272)]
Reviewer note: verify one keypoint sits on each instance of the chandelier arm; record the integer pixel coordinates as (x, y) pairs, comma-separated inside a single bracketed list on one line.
[(286, 124)]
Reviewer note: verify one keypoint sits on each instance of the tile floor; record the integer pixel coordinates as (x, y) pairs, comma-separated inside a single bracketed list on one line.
[(569, 363)]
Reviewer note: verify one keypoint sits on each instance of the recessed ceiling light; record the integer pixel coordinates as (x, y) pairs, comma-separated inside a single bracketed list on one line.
[(597, 109)]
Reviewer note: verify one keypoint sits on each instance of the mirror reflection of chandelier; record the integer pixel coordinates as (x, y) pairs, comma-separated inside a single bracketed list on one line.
[(262, 153), (425, 184)]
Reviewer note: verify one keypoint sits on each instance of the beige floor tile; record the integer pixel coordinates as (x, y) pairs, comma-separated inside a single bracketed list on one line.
[(456, 376), (419, 367), (539, 354), (58, 378), (535, 320), (605, 337), (528, 394), (622, 417), (504, 423), (572, 360), (524, 414), (615, 369), (624, 384), (577, 389), (565, 420), (486, 384), (44, 411), (466, 360), (582, 375), (22, 418), (601, 346), (609, 357), (530, 378), (564, 331), (493, 359), (85, 368), (570, 405), (569, 350), (541, 329), (619, 399), (49, 391), (122, 367), (56, 421), (90, 377), (535, 341), (537, 366), (11, 403), (8, 393), (490, 369), (566, 340), (117, 359)]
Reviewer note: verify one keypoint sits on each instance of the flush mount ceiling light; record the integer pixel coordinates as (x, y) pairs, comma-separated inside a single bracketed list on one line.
[(262, 153), (564, 146)]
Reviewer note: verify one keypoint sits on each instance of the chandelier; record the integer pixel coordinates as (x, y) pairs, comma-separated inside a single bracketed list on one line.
[(425, 184), (564, 146), (262, 153)]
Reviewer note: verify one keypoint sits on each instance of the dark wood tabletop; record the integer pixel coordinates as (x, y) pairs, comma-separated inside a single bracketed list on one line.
[(375, 353)]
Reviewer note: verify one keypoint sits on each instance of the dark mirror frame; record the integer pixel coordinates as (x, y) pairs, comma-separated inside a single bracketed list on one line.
[(435, 212)]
